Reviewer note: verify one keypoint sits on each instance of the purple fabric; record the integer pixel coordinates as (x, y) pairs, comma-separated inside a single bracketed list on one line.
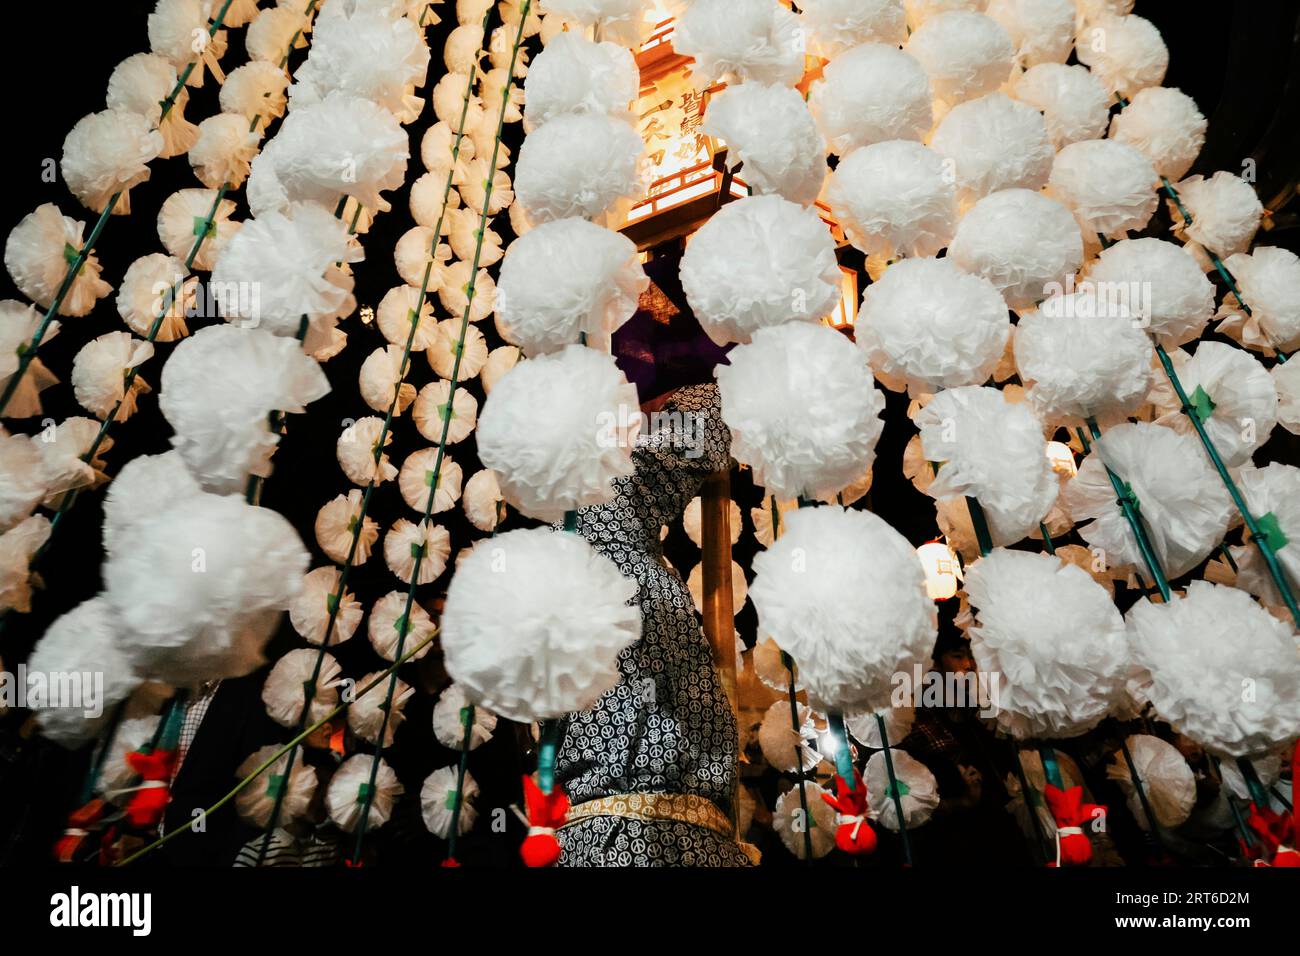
[(658, 357)]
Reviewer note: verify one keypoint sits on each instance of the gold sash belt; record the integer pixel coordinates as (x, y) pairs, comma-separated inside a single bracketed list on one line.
[(681, 807)]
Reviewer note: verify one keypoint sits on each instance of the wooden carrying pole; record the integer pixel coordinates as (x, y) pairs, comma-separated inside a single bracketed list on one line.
[(719, 615)]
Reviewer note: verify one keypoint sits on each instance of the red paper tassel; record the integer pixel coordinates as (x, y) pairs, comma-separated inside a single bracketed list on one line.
[(80, 824), (854, 834), (145, 809), (546, 814), (1071, 814)]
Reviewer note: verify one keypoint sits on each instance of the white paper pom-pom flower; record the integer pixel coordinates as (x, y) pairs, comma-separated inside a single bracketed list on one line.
[(380, 381), (336, 525), (346, 797), (741, 40), (145, 485), (558, 430), (837, 25), (992, 450), (425, 470), (1167, 781), (995, 143), (566, 278), (574, 75), (802, 408), (185, 214), (199, 587), (966, 54), (452, 718), (255, 91), (918, 791), (1286, 378), (64, 466), (786, 749), (771, 134), (866, 728), (285, 691), (257, 803), (482, 501), (795, 828), (155, 288), (179, 31), (469, 237), (427, 208), (275, 33), (1108, 185), (500, 361), (107, 153), (224, 150), (435, 411), (366, 715), (1269, 281), (406, 542), (578, 164), (341, 146), (918, 11), (757, 263), (621, 21), (385, 627), (1022, 242), (1271, 490), (141, 84), (1041, 30), (368, 54), (534, 624), (360, 453), (99, 370), (739, 587), (691, 522), (400, 308), (1082, 356), (1175, 296), (84, 639), (438, 799), (1231, 393), (1202, 651), (928, 324), (22, 482), (871, 94), (1052, 639), (1074, 104), (38, 254), (1126, 53), (218, 387), (1165, 125), (448, 345), (282, 267), (1183, 504), (19, 324), (311, 611), (844, 595), (18, 545), (1225, 213)]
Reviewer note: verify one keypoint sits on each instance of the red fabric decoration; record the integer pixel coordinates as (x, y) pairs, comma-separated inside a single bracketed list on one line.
[(546, 814), (80, 824), (1071, 813), (145, 810), (854, 834), (450, 863), (1273, 830)]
